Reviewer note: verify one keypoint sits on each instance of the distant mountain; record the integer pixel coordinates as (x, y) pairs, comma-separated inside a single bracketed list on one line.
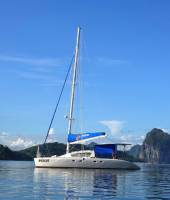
[(126, 156), (49, 149), (156, 146), (8, 154), (137, 152), (30, 153)]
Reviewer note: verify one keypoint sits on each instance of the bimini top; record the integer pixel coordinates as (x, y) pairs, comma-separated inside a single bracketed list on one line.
[(81, 138), (105, 150)]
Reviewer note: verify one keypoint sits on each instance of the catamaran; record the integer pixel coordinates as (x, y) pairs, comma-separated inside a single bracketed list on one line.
[(103, 156)]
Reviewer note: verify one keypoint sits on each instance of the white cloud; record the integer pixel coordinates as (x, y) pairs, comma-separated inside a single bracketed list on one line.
[(31, 61), (42, 69), (34, 75), (165, 130), (3, 134), (132, 139), (15, 143), (51, 132), (20, 143), (118, 135), (110, 61), (51, 136), (114, 126)]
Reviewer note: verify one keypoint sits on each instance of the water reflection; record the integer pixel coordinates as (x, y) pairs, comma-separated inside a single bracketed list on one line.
[(78, 183), (20, 180), (155, 179)]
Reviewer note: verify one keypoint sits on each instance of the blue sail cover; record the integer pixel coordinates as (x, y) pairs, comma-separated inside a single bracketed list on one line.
[(77, 138), (105, 150)]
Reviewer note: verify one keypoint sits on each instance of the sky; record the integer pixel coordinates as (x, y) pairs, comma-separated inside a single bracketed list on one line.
[(124, 68)]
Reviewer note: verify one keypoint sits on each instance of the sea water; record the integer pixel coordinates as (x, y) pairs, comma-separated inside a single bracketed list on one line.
[(21, 181)]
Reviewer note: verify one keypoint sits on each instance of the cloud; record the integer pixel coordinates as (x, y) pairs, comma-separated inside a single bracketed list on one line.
[(118, 135), (15, 143), (41, 69), (165, 130), (51, 136), (32, 61), (132, 139), (110, 61), (3, 134), (33, 75), (114, 126), (20, 143), (51, 132)]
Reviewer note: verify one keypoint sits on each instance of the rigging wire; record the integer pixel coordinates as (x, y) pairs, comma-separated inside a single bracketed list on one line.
[(84, 83), (59, 98), (80, 97), (80, 88)]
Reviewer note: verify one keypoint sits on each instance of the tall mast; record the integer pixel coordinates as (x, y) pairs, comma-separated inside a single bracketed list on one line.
[(70, 117)]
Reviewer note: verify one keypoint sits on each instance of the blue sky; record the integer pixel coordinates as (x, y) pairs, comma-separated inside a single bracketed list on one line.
[(124, 67)]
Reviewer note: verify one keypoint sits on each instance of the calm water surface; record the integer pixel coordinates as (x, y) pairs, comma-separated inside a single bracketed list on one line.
[(19, 180)]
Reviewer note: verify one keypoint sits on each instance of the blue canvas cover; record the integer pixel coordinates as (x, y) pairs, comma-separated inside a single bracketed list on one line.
[(105, 150), (75, 138)]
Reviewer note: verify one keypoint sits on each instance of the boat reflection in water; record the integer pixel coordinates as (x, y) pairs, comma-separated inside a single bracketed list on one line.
[(78, 183)]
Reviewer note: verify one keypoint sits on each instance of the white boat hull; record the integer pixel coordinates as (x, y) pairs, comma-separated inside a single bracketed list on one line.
[(91, 163)]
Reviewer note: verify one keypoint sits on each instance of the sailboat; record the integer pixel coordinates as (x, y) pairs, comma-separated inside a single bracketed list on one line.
[(101, 157)]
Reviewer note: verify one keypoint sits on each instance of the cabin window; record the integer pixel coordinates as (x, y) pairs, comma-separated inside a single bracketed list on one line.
[(94, 161), (80, 160), (73, 160), (101, 161), (86, 154)]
